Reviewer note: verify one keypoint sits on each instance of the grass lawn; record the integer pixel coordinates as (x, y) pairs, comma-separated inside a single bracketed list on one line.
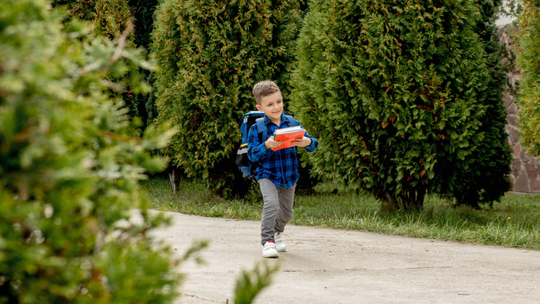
[(515, 221)]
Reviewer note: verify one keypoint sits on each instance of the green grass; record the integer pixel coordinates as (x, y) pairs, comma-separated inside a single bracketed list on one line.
[(515, 221)]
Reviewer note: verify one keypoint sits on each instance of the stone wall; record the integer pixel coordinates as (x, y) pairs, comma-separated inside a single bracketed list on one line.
[(525, 168)]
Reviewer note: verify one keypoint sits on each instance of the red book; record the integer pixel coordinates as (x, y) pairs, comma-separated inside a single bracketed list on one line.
[(287, 136)]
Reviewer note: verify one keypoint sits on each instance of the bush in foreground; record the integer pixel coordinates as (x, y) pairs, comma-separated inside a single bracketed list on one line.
[(69, 171)]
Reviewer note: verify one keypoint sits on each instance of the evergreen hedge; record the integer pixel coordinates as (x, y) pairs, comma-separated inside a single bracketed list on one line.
[(529, 90), (143, 12), (80, 9), (210, 54), (69, 171), (483, 177), (111, 18), (397, 91)]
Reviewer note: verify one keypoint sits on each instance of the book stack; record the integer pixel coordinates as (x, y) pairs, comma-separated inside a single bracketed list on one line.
[(287, 136)]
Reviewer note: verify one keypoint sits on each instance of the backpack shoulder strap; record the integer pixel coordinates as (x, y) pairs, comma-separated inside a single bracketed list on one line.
[(292, 121), (261, 128)]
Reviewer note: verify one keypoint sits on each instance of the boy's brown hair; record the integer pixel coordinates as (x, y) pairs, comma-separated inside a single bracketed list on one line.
[(264, 88)]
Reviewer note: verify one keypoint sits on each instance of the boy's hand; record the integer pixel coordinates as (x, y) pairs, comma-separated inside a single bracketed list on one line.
[(271, 143), (302, 142)]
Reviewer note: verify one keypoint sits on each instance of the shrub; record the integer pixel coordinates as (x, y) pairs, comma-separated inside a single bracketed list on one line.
[(210, 54), (144, 24), (112, 19), (69, 171), (396, 91), (80, 9), (483, 177), (529, 90)]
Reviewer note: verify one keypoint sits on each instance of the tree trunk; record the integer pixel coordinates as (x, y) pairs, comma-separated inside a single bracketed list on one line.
[(389, 203), (174, 180), (408, 202)]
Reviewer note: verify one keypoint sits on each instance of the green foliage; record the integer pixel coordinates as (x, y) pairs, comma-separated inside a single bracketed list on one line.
[(69, 170), (397, 92), (111, 18), (252, 282), (529, 90), (143, 12), (210, 54), (482, 177), (80, 9)]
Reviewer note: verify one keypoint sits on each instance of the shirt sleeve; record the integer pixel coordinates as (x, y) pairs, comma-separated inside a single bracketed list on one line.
[(314, 143), (256, 150)]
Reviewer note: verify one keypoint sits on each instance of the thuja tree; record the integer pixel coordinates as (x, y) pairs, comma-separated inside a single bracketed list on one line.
[(210, 54), (482, 177), (80, 9), (143, 13), (393, 89), (69, 171), (112, 19), (529, 90)]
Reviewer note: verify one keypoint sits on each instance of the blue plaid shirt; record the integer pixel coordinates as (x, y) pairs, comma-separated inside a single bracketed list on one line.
[(280, 166)]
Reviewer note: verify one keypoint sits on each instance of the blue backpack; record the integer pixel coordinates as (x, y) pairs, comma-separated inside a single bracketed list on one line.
[(248, 167)]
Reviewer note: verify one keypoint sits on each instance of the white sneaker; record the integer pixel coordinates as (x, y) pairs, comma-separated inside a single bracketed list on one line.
[(269, 250), (280, 243)]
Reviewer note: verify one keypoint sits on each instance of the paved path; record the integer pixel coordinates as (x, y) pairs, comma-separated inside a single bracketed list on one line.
[(337, 266)]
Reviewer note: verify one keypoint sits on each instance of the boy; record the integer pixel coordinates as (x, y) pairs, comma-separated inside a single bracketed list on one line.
[(277, 172)]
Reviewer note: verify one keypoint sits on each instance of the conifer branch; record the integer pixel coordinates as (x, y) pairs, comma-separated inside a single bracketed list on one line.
[(121, 44), (117, 53)]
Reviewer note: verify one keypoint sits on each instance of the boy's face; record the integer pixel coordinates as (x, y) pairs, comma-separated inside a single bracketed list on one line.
[(272, 106)]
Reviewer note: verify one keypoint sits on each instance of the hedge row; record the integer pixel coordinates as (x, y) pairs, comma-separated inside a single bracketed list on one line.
[(210, 54), (404, 98)]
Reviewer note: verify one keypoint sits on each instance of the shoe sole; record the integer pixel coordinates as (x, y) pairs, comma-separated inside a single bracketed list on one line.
[(270, 255)]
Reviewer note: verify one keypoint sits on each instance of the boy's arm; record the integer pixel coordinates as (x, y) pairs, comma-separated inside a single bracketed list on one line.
[(256, 149), (314, 143), (308, 142)]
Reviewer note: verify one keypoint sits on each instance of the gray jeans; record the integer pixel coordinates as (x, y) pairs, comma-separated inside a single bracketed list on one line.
[(277, 209)]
